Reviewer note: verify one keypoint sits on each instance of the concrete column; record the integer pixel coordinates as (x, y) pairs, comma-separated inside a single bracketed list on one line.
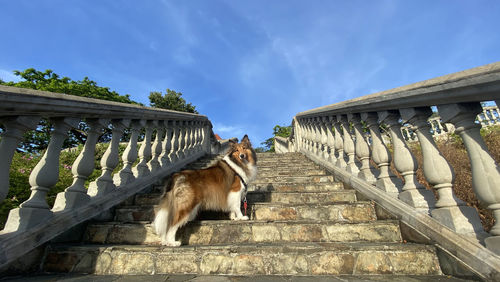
[(485, 171), (362, 149), (386, 180), (450, 210), (324, 138), (104, 184), (182, 140), (154, 164), (11, 137), (339, 144), (413, 193), (166, 145), (348, 145), (43, 177), (125, 175), (76, 194), (174, 154), (142, 169), (330, 139)]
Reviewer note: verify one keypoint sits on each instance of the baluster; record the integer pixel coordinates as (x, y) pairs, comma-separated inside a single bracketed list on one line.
[(362, 149), (187, 138), (166, 145), (330, 140), (43, 177), (413, 193), (450, 210), (104, 183), (196, 137), (348, 145), (154, 163), (300, 134), (485, 171), (142, 169), (206, 136), (324, 137), (190, 138), (386, 181), (339, 145), (182, 139), (307, 135), (11, 137), (174, 154), (312, 137), (125, 175), (76, 195)]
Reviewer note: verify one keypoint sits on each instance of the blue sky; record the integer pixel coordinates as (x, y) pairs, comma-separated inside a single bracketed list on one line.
[(249, 65)]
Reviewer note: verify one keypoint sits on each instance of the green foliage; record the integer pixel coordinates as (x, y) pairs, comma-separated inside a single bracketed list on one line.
[(50, 81), (282, 131), (171, 101)]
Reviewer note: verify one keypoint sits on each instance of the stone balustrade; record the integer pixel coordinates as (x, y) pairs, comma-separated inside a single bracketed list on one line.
[(170, 140), (346, 138)]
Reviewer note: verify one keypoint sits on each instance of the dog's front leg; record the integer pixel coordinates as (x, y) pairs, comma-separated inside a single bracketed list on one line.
[(234, 204)]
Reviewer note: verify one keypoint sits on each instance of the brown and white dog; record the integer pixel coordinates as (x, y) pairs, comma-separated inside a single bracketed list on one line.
[(220, 187)]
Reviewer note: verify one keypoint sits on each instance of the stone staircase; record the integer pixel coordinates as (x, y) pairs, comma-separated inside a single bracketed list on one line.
[(302, 223)]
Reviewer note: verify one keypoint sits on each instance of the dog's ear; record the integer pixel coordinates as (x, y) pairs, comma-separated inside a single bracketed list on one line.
[(246, 141), (232, 144)]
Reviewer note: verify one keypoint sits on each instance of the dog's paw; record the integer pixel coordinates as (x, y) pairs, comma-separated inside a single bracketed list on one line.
[(242, 218), (172, 244)]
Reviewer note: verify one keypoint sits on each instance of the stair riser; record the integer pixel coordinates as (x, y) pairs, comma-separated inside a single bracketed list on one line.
[(253, 262), (209, 234), (302, 198), (276, 197), (296, 179), (275, 173), (277, 187), (338, 213)]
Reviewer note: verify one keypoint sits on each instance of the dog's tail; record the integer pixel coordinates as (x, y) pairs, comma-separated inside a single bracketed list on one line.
[(162, 219)]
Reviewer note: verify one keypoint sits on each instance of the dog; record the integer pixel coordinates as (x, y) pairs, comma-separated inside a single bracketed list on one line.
[(220, 187)]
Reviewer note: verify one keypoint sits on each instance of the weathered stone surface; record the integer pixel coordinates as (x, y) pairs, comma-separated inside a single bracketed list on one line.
[(302, 197), (302, 258), (231, 232)]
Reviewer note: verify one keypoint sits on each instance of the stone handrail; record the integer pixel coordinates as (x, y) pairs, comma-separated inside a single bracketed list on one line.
[(346, 137), (171, 140)]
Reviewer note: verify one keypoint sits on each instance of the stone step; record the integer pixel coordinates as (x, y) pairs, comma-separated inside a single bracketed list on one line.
[(350, 212), (293, 187), (327, 197), (213, 232), (248, 259), (292, 171), (330, 197), (296, 179)]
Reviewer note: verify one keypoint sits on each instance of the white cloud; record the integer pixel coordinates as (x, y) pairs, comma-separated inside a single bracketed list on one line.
[(6, 75), (228, 131)]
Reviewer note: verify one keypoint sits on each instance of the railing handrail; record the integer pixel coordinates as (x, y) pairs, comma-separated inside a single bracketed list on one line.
[(472, 85), (24, 101)]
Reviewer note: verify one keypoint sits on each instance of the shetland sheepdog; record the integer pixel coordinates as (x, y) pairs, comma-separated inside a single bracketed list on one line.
[(220, 187)]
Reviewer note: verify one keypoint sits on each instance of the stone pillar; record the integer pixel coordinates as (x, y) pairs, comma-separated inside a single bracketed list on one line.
[(362, 149), (386, 180), (324, 138), (125, 175), (76, 194), (154, 164), (450, 210), (188, 138), (11, 137), (182, 139), (413, 193), (142, 169), (43, 177), (104, 184), (166, 145), (339, 144), (485, 171), (330, 139), (348, 145), (174, 154)]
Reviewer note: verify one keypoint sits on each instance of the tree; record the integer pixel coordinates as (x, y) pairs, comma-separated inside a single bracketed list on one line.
[(171, 101), (38, 139), (283, 131)]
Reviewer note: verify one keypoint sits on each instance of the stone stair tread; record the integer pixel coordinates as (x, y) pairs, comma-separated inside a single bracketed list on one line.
[(210, 232), (247, 259)]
